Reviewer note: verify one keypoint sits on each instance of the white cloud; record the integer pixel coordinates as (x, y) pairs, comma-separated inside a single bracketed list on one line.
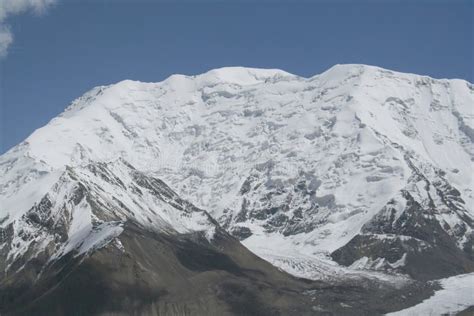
[(13, 7), (6, 38)]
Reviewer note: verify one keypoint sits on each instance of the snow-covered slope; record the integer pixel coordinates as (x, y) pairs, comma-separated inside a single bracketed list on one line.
[(310, 169), (86, 209)]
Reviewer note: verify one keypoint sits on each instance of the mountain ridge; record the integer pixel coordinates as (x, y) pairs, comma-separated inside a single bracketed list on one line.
[(358, 172)]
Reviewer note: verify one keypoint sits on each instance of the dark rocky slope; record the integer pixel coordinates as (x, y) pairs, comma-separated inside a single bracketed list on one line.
[(424, 245), (157, 274)]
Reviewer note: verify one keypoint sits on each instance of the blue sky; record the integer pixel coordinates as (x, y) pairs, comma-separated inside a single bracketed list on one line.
[(76, 45)]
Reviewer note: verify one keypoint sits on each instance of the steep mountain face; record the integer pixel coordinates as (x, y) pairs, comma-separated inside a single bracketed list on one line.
[(353, 170), (86, 208)]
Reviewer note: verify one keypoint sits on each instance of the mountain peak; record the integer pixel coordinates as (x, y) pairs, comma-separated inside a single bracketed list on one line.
[(242, 75), (292, 166)]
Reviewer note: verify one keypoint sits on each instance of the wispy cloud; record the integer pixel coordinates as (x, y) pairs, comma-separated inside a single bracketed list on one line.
[(9, 8)]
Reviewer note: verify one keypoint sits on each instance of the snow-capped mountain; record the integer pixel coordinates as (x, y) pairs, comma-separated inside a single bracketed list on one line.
[(358, 168)]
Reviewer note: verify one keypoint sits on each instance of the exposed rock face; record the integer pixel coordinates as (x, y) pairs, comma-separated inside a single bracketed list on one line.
[(425, 232)]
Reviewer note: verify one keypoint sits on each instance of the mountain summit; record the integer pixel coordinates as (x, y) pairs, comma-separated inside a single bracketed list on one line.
[(359, 173)]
